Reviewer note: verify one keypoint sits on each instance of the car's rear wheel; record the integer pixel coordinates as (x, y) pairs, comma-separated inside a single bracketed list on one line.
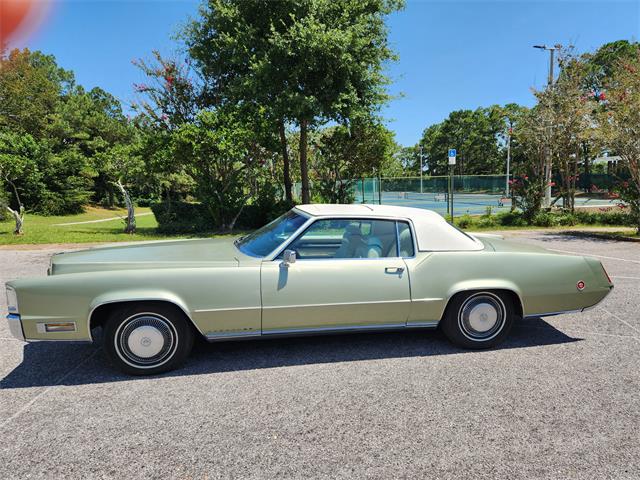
[(480, 319), (146, 339)]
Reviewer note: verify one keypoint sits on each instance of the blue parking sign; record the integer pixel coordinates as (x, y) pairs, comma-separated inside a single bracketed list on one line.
[(452, 152)]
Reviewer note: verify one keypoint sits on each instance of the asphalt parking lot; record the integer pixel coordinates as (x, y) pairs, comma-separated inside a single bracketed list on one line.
[(560, 399)]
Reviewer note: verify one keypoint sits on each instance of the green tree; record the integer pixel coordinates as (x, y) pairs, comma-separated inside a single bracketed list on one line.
[(528, 183), (347, 153), (19, 173), (308, 61), (61, 128), (601, 64), (474, 133), (31, 86), (619, 123), (564, 123), (224, 159)]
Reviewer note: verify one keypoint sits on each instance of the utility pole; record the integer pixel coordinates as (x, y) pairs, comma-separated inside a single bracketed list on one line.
[(508, 161), (548, 163), (421, 168)]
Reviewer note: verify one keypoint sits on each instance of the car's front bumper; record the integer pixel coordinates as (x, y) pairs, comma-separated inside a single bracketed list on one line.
[(15, 326)]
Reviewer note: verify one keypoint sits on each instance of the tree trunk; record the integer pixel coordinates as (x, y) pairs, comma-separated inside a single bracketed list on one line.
[(18, 215), (286, 165), (19, 219), (304, 167), (130, 226)]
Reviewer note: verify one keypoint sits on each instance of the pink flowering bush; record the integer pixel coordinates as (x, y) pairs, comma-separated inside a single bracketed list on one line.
[(527, 193)]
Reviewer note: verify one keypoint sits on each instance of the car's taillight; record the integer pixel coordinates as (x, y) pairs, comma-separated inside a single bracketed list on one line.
[(606, 274)]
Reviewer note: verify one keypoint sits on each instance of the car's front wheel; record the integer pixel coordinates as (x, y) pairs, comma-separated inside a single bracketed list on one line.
[(146, 339), (480, 319)]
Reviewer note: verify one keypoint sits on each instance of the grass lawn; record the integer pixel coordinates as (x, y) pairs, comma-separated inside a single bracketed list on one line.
[(39, 229)]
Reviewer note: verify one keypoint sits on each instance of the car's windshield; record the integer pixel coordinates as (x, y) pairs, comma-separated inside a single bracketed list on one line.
[(266, 239)]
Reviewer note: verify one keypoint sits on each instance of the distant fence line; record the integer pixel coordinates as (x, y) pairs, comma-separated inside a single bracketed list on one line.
[(369, 189)]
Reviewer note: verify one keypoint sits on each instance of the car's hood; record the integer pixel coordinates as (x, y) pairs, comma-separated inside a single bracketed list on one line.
[(163, 254)]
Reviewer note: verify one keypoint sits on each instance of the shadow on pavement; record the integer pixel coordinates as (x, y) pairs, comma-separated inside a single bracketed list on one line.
[(48, 364), (585, 235)]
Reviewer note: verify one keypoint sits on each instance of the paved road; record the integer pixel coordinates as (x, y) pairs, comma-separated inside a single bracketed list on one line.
[(559, 400)]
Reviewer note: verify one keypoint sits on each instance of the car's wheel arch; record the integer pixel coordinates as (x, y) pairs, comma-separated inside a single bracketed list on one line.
[(496, 286), (102, 307)]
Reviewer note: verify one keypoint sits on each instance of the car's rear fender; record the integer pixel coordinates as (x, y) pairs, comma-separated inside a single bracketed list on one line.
[(484, 284)]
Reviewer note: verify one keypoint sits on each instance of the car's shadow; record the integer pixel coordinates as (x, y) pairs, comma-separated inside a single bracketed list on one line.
[(48, 364)]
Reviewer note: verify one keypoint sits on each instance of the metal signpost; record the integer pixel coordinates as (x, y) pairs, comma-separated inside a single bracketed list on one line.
[(452, 163), (421, 169)]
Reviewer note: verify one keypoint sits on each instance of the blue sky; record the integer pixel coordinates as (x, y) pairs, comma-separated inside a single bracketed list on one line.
[(453, 54)]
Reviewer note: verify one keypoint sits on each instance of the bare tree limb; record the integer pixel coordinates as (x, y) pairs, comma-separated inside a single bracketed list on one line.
[(130, 223), (18, 215)]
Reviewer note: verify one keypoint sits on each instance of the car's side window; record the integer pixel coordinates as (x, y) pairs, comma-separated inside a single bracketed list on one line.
[(406, 240), (347, 238)]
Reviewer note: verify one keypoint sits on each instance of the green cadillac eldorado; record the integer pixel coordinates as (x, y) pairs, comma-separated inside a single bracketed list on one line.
[(316, 269)]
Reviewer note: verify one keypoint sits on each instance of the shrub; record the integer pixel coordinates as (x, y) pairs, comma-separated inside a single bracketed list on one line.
[(185, 217), (487, 221), (544, 219), (607, 216), (465, 221), (182, 217), (511, 219)]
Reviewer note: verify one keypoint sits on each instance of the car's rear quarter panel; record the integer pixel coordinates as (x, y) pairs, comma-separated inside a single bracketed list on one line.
[(544, 282)]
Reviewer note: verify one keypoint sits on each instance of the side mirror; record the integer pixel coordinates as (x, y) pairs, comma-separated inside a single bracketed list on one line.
[(288, 257)]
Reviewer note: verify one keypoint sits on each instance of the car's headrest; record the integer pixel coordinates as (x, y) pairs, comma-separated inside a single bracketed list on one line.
[(374, 247), (382, 229), (352, 231)]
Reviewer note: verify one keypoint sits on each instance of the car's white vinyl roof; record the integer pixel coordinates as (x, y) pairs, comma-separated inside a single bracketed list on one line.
[(432, 230)]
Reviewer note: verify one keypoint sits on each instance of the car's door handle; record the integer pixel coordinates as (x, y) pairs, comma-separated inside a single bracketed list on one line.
[(396, 270)]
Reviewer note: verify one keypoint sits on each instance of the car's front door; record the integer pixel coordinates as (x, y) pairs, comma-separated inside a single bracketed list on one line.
[(347, 274)]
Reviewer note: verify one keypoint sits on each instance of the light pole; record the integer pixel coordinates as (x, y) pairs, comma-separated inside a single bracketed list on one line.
[(508, 161), (547, 167), (421, 168)]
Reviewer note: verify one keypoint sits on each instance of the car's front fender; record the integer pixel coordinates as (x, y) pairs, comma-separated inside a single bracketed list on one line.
[(137, 295)]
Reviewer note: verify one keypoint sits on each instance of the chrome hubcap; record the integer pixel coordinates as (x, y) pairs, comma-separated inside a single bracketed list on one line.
[(482, 316), (146, 340)]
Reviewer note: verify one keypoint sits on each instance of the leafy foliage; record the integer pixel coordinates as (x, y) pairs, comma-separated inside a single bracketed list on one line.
[(474, 133), (347, 154), (305, 61), (55, 137), (620, 125)]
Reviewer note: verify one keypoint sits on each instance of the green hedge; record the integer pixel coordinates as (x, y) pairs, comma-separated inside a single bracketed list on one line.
[(184, 217), (547, 219)]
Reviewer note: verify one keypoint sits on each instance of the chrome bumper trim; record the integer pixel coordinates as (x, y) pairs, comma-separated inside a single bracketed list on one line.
[(15, 326)]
